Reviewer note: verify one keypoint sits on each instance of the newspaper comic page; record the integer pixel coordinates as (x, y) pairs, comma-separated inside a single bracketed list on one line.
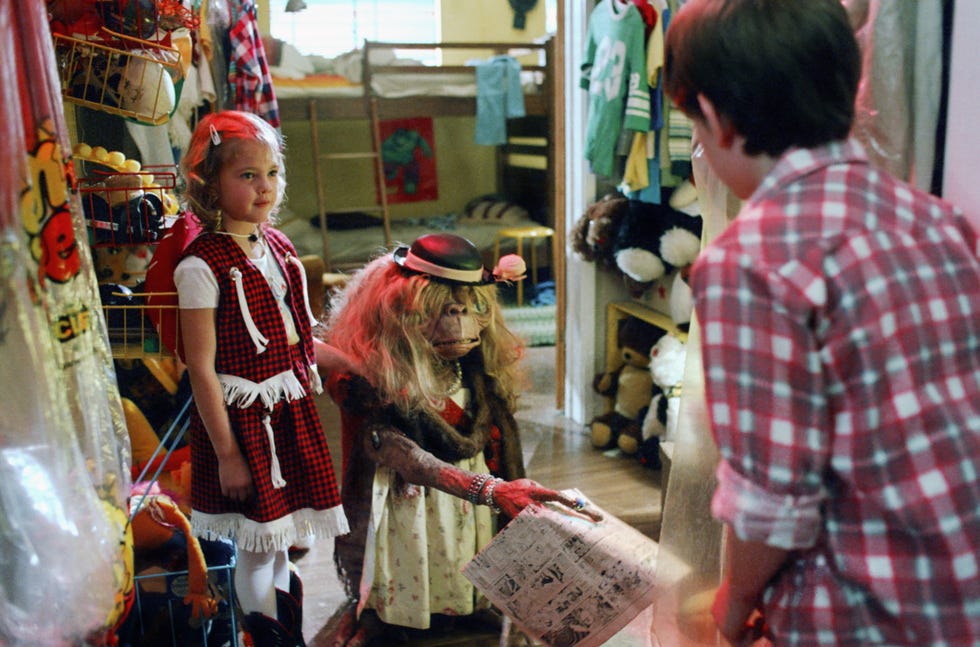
[(564, 579)]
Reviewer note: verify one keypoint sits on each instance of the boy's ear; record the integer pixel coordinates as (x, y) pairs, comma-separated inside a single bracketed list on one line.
[(719, 126)]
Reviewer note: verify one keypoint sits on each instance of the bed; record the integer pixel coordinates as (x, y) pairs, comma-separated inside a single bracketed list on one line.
[(384, 81)]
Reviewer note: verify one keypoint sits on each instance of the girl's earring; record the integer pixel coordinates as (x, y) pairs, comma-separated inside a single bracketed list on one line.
[(218, 220)]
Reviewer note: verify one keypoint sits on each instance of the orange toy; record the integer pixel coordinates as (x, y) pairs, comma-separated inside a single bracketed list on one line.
[(156, 519)]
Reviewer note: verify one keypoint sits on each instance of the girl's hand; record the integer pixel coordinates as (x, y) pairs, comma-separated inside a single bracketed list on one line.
[(513, 496), (235, 477)]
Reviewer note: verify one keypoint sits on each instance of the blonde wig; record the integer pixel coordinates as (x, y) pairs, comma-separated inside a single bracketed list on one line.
[(380, 317), (214, 142)]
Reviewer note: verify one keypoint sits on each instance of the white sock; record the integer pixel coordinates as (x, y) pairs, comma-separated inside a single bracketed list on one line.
[(282, 570), (255, 582)]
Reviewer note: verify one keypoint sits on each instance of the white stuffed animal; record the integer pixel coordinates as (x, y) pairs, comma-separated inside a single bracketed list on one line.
[(667, 360)]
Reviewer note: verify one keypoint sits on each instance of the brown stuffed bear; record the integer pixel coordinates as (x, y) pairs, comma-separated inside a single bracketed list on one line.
[(594, 234), (631, 387)]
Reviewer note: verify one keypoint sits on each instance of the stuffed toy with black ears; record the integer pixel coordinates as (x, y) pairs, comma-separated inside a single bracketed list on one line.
[(653, 240), (594, 234), (630, 385)]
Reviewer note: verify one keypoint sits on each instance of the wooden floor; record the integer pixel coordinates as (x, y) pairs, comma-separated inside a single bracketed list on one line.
[(557, 453)]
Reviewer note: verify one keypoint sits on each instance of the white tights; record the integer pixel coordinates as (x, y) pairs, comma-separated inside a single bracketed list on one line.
[(257, 576)]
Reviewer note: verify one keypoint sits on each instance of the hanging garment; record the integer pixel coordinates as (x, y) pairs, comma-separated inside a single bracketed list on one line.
[(499, 97), (614, 72), (248, 71)]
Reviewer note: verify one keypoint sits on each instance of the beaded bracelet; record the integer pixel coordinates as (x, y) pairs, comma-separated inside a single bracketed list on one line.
[(488, 495), (476, 487)]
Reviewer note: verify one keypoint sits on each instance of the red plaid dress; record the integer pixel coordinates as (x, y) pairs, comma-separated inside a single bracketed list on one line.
[(268, 390)]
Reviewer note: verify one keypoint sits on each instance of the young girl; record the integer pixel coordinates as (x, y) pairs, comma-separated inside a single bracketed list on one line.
[(261, 469)]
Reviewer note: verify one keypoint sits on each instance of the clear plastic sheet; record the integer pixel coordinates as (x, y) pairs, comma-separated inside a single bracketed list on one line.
[(64, 471), (901, 78), (688, 565), (57, 547)]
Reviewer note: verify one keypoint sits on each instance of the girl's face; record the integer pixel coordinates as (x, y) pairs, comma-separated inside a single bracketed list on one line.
[(248, 183)]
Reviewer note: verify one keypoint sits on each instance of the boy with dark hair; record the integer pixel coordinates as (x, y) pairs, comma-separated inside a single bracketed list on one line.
[(840, 319)]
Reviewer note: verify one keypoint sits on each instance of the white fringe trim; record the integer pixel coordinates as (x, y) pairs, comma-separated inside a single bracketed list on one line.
[(306, 292), (276, 535), (240, 392), (316, 384), (275, 471), (260, 341)]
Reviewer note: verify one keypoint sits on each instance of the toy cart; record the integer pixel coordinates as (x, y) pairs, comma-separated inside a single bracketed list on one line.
[(159, 615)]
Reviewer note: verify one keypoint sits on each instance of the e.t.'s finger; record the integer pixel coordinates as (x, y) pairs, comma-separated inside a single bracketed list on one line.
[(580, 505)]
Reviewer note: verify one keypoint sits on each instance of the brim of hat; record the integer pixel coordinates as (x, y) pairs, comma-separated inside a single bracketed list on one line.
[(403, 256)]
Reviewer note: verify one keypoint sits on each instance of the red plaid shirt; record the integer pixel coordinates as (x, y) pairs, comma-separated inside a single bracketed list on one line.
[(840, 316), (248, 70)]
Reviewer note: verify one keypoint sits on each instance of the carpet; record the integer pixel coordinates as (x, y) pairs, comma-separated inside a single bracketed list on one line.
[(534, 324)]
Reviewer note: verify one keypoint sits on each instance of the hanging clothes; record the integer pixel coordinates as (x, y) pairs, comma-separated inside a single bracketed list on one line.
[(499, 97), (248, 70), (641, 178), (614, 72)]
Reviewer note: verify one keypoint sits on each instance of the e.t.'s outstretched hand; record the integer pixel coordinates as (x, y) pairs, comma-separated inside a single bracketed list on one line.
[(513, 496)]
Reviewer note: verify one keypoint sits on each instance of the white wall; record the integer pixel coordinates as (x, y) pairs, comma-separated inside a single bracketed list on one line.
[(583, 319), (961, 179)]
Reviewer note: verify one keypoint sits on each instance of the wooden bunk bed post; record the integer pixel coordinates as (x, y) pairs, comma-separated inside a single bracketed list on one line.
[(321, 204), (379, 171), (374, 103), (374, 154)]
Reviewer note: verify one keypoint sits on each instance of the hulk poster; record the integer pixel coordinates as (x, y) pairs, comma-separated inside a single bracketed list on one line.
[(409, 155)]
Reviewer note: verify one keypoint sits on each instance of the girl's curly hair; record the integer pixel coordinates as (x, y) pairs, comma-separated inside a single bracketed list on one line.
[(213, 143)]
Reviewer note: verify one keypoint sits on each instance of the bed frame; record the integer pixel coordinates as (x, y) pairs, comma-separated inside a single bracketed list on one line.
[(525, 164)]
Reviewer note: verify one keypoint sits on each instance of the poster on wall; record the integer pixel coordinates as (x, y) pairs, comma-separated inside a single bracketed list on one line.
[(409, 155)]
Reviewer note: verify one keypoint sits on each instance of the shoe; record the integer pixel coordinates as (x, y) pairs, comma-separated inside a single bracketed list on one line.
[(290, 613), (263, 631)]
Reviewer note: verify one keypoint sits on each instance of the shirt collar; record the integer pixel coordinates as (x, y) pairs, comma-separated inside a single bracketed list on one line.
[(797, 162)]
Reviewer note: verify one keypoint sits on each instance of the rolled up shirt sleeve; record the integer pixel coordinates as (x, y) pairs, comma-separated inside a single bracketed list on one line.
[(766, 396), (755, 514)]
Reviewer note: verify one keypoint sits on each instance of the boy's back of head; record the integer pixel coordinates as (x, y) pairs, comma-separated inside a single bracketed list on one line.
[(783, 72)]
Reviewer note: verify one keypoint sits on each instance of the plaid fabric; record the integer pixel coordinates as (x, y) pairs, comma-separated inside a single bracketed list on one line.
[(301, 447), (840, 317), (300, 443), (248, 69), (236, 355)]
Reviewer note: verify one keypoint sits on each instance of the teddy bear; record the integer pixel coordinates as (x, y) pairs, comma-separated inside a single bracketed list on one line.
[(630, 385), (667, 361), (653, 240), (595, 232)]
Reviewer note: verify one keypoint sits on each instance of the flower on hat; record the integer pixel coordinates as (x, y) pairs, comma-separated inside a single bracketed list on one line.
[(510, 268)]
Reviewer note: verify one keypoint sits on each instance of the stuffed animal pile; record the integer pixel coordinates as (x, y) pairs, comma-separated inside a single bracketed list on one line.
[(667, 361), (643, 241), (631, 387)]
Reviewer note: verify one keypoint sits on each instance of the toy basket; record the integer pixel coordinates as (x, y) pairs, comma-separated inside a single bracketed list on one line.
[(119, 74), (158, 616), (132, 334), (128, 205)]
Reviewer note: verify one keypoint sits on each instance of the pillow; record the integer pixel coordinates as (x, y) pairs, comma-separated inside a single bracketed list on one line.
[(445, 222), (353, 220), (494, 209)]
